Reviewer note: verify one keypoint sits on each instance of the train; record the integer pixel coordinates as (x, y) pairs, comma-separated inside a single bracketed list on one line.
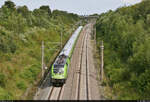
[(60, 67)]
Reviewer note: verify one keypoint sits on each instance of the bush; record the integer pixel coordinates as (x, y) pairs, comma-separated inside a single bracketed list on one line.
[(2, 80), (5, 95), (21, 85)]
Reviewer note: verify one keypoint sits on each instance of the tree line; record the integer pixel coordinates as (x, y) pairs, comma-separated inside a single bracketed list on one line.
[(126, 35)]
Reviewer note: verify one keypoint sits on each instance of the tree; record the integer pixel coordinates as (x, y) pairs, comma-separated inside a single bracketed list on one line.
[(9, 4), (23, 10), (46, 9)]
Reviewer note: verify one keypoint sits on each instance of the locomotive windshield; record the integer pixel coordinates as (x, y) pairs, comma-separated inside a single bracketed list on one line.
[(58, 66), (59, 69)]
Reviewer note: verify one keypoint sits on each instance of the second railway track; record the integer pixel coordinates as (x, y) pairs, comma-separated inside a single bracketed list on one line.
[(83, 92)]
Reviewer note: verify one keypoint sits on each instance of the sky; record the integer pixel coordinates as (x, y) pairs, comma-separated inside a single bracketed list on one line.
[(81, 7)]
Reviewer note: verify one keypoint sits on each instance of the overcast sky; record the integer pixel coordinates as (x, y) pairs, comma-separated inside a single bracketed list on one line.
[(82, 7)]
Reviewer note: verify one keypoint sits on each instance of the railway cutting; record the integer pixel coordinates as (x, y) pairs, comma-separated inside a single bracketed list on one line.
[(73, 75)]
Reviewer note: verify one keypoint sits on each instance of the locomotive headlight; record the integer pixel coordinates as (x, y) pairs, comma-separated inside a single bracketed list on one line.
[(62, 70)]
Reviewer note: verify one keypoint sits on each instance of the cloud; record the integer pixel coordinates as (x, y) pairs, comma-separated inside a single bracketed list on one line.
[(131, 1)]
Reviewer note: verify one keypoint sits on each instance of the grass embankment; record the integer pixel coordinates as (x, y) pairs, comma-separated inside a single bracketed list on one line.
[(21, 34), (126, 35)]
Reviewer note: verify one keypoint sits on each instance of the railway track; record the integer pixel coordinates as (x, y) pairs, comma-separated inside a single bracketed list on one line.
[(56, 93), (83, 92)]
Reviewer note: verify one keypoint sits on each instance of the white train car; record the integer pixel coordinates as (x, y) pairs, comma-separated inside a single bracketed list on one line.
[(70, 44)]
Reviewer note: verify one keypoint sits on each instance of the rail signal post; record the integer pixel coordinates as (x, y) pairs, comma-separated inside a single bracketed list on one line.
[(102, 61), (42, 58)]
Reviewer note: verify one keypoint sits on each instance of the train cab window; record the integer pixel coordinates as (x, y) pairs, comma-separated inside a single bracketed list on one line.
[(58, 66)]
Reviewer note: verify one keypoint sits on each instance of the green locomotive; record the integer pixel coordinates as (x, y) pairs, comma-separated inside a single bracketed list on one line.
[(59, 70)]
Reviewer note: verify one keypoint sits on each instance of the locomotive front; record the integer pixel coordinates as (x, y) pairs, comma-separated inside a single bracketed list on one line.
[(59, 70)]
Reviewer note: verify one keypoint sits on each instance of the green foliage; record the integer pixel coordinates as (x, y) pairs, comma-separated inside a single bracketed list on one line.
[(21, 34), (2, 80), (7, 45), (9, 4), (30, 73), (21, 85), (46, 9), (127, 49), (5, 95)]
